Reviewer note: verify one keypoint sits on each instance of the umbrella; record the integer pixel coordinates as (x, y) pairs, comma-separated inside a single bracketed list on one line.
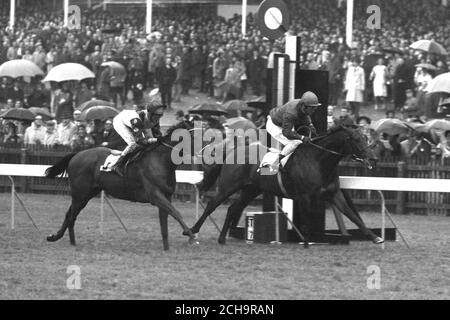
[(237, 105), (208, 108), (439, 84), (240, 123), (390, 126), (94, 103), (392, 50), (67, 72), (429, 46), (20, 114), (258, 105), (20, 68), (43, 112), (117, 70), (427, 66), (437, 125), (98, 112)]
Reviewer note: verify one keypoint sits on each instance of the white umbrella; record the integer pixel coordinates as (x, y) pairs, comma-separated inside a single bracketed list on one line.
[(439, 84), (429, 46), (20, 68), (69, 71)]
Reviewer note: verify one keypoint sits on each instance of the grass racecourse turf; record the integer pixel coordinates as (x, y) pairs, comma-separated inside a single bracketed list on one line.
[(134, 266)]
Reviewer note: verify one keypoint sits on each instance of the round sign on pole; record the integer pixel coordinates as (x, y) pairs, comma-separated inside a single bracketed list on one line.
[(273, 18)]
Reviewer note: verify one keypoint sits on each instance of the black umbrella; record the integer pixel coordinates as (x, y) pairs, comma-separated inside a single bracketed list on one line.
[(43, 112), (392, 50), (20, 114), (208, 108)]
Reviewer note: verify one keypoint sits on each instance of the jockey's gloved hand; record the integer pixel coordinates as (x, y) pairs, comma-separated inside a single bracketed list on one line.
[(152, 140), (306, 139)]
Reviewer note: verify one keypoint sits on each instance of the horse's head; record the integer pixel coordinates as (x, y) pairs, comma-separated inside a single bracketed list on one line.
[(356, 145)]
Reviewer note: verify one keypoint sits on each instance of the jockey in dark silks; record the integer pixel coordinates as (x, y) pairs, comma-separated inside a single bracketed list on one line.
[(291, 123), (138, 128)]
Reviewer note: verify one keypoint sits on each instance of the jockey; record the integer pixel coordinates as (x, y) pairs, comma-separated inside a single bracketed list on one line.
[(284, 122), (138, 127)]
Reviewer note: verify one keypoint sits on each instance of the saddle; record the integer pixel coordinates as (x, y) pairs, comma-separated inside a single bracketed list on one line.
[(114, 161)]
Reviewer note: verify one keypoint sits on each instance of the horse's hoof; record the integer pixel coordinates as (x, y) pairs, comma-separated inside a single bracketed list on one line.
[(378, 240), (186, 233), (193, 242), (222, 241), (51, 238)]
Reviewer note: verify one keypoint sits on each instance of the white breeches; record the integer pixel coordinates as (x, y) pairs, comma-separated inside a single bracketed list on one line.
[(277, 133), (126, 135)]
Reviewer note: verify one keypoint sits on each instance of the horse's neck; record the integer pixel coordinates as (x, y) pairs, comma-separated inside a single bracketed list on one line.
[(325, 156)]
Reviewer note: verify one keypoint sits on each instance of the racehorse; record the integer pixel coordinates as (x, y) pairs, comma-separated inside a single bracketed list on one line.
[(311, 170), (148, 179)]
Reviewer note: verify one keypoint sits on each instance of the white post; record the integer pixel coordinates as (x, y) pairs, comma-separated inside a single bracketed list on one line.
[(349, 33), (12, 14), (66, 13), (148, 25), (244, 17), (102, 211), (13, 202)]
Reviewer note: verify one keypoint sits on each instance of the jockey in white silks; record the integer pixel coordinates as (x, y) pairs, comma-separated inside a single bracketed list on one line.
[(284, 122), (138, 127)]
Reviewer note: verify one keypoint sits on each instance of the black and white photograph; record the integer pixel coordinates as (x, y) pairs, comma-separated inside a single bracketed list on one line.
[(224, 156)]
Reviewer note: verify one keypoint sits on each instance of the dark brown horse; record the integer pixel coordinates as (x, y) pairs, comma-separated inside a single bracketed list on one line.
[(149, 179), (311, 170)]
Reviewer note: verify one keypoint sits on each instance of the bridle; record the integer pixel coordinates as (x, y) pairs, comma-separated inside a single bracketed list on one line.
[(353, 155)]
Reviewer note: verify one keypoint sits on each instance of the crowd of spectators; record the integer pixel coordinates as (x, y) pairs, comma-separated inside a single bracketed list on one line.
[(192, 48)]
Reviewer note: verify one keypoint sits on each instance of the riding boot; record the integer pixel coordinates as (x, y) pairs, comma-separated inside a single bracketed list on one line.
[(280, 166), (118, 167)]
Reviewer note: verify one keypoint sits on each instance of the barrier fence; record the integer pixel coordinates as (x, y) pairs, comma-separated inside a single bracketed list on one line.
[(435, 203)]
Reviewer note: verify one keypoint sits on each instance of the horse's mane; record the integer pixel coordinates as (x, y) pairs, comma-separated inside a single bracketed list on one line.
[(179, 125), (333, 130)]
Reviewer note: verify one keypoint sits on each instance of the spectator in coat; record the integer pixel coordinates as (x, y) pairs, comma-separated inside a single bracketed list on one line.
[(35, 133), (16, 92), (167, 78), (375, 144), (136, 82), (66, 129), (83, 94), (379, 76), (104, 83), (11, 137), (51, 134), (110, 138), (5, 90), (40, 97), (186, 67), (63, 102), (256, 68), (81, 140), (400, 83), (354, 86)]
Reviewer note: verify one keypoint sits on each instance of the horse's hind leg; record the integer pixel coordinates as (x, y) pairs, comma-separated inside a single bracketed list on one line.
[(78, 204), (62, 230), (234, 212), (164, 228)]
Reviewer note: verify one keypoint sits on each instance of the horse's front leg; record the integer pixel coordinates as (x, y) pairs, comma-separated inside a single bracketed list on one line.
[(342, 203), (160, 200)]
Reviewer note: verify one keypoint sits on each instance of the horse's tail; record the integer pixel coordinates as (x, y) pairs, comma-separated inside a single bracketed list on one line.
[(60, 167)]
